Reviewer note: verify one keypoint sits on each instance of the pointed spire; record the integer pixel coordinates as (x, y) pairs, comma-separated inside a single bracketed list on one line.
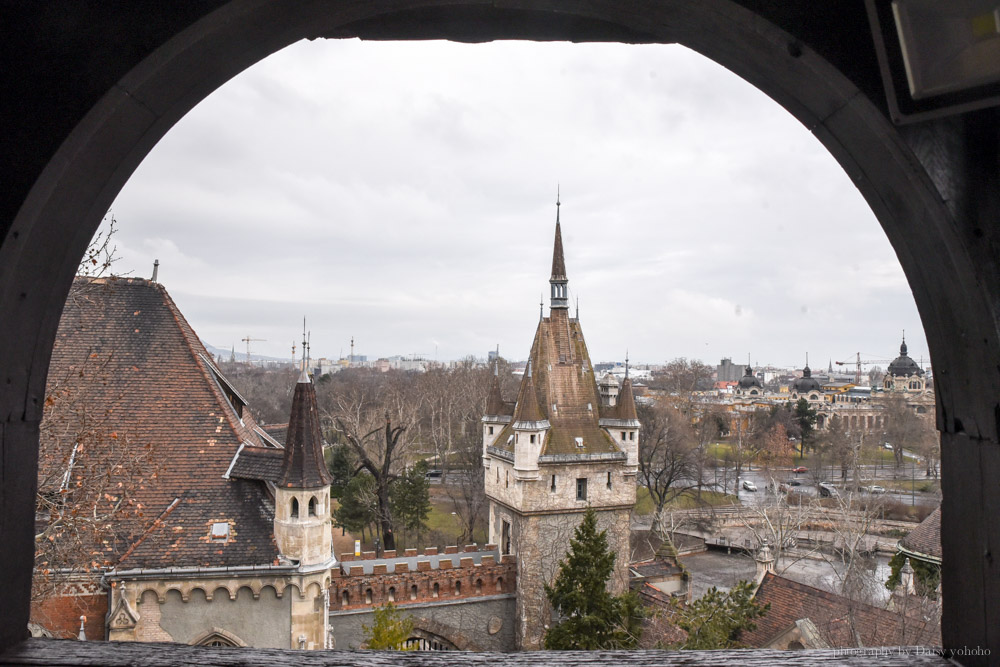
[(303, 466), (626, 364), (902, 347), (494, 400), (541, 307), (625, 405), (528, 408)]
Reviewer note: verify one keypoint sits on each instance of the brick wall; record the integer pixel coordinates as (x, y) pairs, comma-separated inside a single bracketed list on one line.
[(60, 613), (455, 578)]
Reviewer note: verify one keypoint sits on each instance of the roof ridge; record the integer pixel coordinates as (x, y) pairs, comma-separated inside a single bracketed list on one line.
[(157, 522)]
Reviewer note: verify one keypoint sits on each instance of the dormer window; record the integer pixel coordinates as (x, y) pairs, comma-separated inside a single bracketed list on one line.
[(220, 531)]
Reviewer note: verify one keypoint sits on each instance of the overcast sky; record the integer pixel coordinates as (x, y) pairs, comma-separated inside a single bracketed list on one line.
[(404, 194)]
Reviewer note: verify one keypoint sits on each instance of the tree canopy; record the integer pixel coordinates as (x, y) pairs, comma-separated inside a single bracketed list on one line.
[(389, 630), (716, 619), (592, 618)]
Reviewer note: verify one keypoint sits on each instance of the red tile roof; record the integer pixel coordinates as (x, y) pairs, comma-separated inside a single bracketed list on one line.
[(925, 539), (124, 351), (833, 615)]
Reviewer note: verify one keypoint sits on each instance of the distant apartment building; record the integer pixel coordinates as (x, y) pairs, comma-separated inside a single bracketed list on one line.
[(727, 371)]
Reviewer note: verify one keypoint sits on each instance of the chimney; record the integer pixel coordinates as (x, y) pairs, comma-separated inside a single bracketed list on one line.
[(156, 268)]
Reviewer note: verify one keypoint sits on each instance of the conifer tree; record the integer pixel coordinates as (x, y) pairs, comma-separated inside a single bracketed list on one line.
[(390, 629), (716, 619), (592, 617)]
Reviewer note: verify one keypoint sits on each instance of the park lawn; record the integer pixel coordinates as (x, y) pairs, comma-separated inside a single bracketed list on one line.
[(920, 484), (719, 451), (644, 504)]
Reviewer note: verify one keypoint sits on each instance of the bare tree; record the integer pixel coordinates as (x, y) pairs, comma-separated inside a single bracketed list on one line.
[(682, 376), (668, 463)]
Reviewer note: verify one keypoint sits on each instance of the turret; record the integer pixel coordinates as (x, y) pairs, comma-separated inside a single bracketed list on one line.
[(302, 525), (558, 283), (530, 426)]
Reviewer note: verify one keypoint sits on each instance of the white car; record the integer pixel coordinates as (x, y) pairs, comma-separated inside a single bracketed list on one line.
[(876, 489), (749, 486)]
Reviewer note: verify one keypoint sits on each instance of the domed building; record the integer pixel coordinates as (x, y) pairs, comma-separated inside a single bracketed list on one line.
[(904, 374), (806, 387), (749, 384)]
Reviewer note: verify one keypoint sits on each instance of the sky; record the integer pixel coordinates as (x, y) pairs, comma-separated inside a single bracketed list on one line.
[(403, 194)]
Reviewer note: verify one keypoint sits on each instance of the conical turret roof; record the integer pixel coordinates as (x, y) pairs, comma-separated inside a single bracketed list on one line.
[(625, 407), (528, 409), (303, 466), (494, 400)]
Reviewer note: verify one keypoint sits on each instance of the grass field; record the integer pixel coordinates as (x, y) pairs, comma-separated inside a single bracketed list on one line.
[(644, 505)]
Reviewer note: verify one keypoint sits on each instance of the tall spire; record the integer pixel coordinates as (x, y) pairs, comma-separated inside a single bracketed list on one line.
[(303, 466), (558, 281)]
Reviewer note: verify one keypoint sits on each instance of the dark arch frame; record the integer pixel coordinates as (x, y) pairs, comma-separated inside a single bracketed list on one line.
[(126, 72)]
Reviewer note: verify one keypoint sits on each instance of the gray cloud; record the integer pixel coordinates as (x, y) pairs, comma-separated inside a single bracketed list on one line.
[(403, 193)]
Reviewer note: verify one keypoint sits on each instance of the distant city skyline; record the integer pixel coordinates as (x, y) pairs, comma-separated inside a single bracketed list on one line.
[(404, 194)]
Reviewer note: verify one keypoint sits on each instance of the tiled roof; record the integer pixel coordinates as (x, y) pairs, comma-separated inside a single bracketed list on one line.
[(303, 466), (625, 405), (925, 539), (832, 614), (495, 405), (257, 463), (123, 350), (277, 431)]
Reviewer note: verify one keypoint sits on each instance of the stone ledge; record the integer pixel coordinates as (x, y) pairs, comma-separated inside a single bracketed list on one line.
[(115, 654)]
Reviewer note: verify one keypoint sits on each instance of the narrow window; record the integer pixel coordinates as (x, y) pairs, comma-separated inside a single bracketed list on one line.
[(532, 438), (506, 479), (552, 487), (505, 539), (392, 594), (312, 506), (437, 590), (609, 480), (491, 430), (458, 588), (631, 435), (295, 508), (345, 599), (498, 474), (413, 592), (479, 586), (581, 488), (623, 435), (499, 584), (368, 596), (517, 438)]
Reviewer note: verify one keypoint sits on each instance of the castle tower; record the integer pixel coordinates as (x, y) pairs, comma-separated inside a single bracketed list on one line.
[(560, 451), (302, 523)]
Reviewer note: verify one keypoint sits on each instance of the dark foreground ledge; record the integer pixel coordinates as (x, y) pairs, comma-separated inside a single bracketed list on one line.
[(113, 654)]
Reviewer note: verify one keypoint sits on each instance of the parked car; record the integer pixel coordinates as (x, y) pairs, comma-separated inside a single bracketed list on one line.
[(800, 469), (433, 473), (827, 491), (749, 486), (794, 482), (876, 489)]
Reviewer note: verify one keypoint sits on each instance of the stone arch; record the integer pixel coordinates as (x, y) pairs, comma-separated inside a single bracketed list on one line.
[(227, 593), (312, 506), (293, 512), (85, 153), (446, 637)]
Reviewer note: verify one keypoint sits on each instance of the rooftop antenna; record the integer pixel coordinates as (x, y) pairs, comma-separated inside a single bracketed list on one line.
[(351, 358), (541, 307), (558, 204), (577, 309), (156, 269), (309, 348), (496, 361), (304, 344)]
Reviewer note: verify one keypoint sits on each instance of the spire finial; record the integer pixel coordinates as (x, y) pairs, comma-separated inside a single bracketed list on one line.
[(558, 203), (496, 362), (529, 366), (577, 309), (304, 343), (541, 307), (626, 363)]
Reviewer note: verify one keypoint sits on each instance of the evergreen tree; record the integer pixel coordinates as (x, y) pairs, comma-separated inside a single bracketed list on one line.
[(592, 617), (716, 619), (410, 499), (805, 416), (390, 629)]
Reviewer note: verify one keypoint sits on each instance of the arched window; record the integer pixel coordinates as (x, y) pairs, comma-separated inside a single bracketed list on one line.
[(413, 592), (345, 598), (392, 594), (436, 591), (295, 508), (479, 586), (458, 588), (312, 506), (368, 596)]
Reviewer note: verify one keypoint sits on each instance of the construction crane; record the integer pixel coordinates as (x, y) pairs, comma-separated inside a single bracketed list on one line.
[(249, 340), (857, 362)]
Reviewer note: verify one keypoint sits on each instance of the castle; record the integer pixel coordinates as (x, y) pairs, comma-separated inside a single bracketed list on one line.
[(229, 539)]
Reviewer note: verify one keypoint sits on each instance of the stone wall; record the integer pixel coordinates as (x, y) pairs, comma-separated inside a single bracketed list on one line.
[(261, 622), (484, 623), (60, 612)]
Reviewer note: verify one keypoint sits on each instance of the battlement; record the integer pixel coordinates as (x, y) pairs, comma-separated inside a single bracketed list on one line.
[(421, 577)]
